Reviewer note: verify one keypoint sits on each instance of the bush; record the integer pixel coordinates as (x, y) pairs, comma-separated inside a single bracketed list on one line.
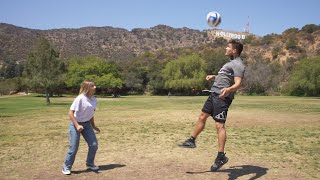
[(305, 78), (310, 28), (275, 52), (8, 86), (249, 39), (266, 40), (291, 30), (291, 44)]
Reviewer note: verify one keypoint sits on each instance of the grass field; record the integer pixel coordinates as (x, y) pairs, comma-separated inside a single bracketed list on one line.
[(268, 138)]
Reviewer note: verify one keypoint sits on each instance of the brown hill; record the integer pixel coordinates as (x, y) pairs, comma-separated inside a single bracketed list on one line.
[(116, 43), (107, 42)]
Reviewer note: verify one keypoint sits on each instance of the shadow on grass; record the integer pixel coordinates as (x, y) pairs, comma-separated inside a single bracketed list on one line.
[(4, 116), (60, 104), (235, 172), (101, 168)]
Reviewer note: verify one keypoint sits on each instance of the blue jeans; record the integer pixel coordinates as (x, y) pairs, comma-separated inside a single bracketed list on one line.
[(74, 139)]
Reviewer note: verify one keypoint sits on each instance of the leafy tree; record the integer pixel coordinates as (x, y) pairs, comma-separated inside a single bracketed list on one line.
[(143, 74), (156, 82), (185, 74), (305, 78), (133, 81), (105, 75), (215, 59), (136, 75), (43, 68), (10, 69)]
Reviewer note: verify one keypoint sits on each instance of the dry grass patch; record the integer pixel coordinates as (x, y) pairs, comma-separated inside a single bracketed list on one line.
[(274, 137)]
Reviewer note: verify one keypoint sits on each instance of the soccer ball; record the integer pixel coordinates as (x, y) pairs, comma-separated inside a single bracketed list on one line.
[(213, 19)]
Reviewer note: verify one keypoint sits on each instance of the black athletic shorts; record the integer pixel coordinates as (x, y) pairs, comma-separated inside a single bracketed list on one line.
[(216, 107)]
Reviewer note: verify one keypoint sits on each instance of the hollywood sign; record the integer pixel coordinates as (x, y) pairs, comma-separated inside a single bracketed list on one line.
[(230, 35)]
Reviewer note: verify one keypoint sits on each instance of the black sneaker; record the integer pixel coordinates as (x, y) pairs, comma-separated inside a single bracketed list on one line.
[(219, 162), (189, 143)]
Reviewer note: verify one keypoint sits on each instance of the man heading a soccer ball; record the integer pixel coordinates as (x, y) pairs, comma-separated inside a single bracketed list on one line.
[(226, 83)]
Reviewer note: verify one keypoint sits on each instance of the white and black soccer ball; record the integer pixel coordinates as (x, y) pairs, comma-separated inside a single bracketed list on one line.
[(213, 19)]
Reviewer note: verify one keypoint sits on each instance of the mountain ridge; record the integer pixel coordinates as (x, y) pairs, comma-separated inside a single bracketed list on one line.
[(118, 43)]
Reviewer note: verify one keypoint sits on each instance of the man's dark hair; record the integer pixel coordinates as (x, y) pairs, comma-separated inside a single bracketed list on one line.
[(236, 45)]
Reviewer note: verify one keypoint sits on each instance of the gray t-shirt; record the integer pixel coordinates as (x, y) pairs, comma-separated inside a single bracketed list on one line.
[(225, 77)]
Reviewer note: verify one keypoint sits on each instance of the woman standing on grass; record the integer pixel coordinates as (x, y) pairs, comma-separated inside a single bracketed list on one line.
[(81, 114)]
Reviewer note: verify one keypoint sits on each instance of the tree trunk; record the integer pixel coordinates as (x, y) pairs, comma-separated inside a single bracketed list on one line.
[(47, 97)]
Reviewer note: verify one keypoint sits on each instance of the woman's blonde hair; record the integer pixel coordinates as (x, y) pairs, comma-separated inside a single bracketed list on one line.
[(85, 87)]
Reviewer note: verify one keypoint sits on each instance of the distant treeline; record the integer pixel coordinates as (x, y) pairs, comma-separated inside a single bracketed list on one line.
[(178, 71)]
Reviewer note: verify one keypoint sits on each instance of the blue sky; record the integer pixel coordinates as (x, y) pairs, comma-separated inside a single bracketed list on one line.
[(265, 16)]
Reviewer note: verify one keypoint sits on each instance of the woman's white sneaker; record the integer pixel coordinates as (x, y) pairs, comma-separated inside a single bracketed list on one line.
[(66, 171)]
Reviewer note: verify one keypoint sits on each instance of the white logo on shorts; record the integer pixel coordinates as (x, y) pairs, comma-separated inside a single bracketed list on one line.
[(221, 116)]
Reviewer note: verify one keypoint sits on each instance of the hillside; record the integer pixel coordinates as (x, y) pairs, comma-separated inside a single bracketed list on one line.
[(107, 42), (116, 43)]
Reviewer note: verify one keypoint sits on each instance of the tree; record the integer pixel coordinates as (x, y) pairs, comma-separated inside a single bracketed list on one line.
[(215, 59), (263, 77), (43, 68), (142, 74), (156, 82), (105, 75), (135, 75), (133, 81), (10, 69), (305, 78), (185, 74)]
